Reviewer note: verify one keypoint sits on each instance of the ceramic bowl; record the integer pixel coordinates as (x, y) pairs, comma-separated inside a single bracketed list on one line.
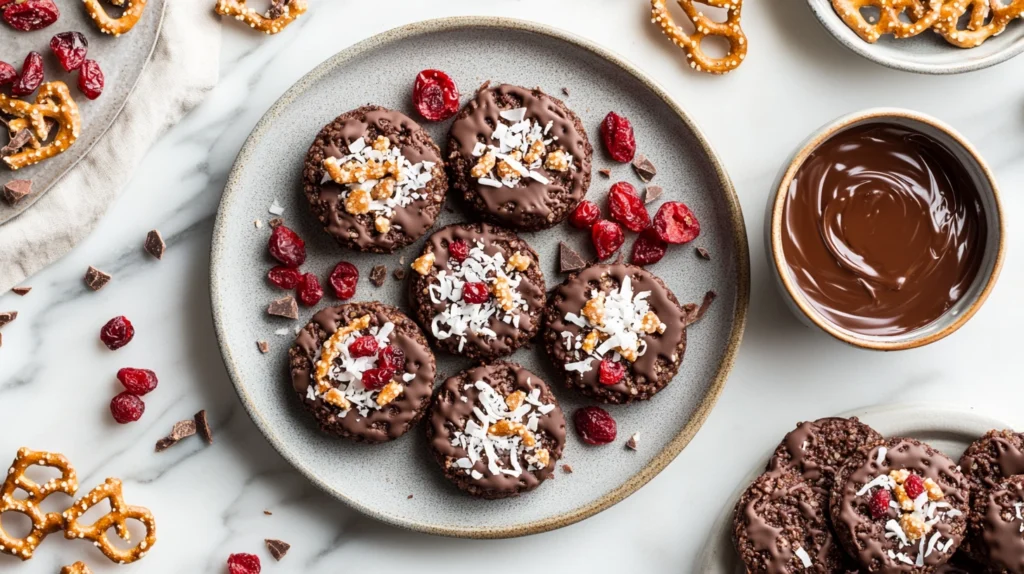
[(983, 179)]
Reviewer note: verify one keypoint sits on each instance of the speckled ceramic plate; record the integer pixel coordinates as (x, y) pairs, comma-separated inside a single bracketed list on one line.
[(379, 479), (949, 429), (926, 53), (122, 60)]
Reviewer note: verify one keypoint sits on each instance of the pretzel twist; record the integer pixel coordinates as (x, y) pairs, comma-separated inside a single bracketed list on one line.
[(53, 102), (117, 518), (116, 26), (283, 13), (705, 27), (988, 18), (43, 524)]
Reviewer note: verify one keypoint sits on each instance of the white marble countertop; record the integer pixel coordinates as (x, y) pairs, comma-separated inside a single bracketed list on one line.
[(56, 378)]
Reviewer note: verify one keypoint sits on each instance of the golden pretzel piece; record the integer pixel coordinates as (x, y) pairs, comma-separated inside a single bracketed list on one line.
[(705, 27), (117, 518), (116, 26), (283, 13), (43, 524), (901, 18), (54, 103), (987, 18), (76, 568)]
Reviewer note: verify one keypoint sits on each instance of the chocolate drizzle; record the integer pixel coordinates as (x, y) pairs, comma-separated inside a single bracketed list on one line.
[(1009, 461)]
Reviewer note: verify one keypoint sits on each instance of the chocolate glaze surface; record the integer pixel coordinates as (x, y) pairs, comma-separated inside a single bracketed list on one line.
[(1001, 536), (883, 229)]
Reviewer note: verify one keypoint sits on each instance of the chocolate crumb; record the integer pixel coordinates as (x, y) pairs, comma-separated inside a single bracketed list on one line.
[(605, 172), (634, 441), (18, 141), (96, 279), (203, 427), (7, 316), (566, 92), (181, 430), (16, 190), (277, 9), (284, 307), (276, 221), (21, 290), (408, 497), (263, 346), (278, 548), (568, 259), (652, 193), (268, 513), (566, 469), (643, 167), (703, 253), (155, 245), (378, 275), (399, 274), (692, 313)]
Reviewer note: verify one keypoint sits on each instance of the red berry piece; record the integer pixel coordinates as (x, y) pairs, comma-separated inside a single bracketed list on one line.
[(675, 223), (375, 379), (29, 15), (594, 425), (117, 333), (344, 279), (435, 95), (127, 408), (879, 504), (475, 293), (627, 208), (90, 79), (70, 49), (284, 277), (244, 564), (914, 485), (610, 372), (138, 381), (310, 291), (585, 215), (7, 74), (287, 247), (458, 250), (31, 75), (607, 237), (365, 346), (617, 135), (648, 248), (392, 358)]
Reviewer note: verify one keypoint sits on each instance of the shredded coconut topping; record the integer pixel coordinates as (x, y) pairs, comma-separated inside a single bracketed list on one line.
[(522, 144), (804, 557), (915, 528), (346, 372)]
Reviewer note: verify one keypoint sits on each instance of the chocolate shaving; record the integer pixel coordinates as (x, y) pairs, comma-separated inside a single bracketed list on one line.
[(566, 469), (399, 274), (568, 259), (268, 513), (21, 290), (7, 316), (605, 172), (155, 245), (278, 548), (408, 497), (96, 279), (18, 141), (634, 441), (652, 193), (203, 427), (277, 9), (378, 275), (181, 430), (284, 307), (276, 222), (703, 253), (692, 313), (16, 190), (566, 92), (263, 346), (644, 169)]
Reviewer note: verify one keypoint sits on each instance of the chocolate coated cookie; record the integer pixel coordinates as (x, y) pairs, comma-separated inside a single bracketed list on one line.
[(996, 526), (817, 449)]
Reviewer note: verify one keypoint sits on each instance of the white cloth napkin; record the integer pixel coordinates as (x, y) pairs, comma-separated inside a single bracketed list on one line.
[(184, 67)]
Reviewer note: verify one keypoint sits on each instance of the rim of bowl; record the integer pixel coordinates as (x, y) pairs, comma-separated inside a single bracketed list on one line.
[(778, 205)]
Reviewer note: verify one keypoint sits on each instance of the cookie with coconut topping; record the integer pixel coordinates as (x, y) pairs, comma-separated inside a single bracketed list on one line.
[(900, 506), (364, 370), (616, 332), (483, 293), (520, 157), (496, 430), (780, 526), (996, 526), (817, 449), (374, 179)]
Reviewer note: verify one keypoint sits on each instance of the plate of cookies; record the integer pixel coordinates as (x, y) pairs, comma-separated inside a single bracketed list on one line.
[(927, 36), (899, 488), (475, 294)]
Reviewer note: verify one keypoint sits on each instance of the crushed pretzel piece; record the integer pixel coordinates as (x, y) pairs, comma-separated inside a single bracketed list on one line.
[(593, 310), (914, 526), (505, 427), (934, 490), (54, 103), (43, 524), (358, 202), (76, 568), (424, 263), (390, 392), (541, 458), (518, 261), (384, 189), (557, 161), (117, 518), (899, 476), (535, 152), (650, 322), (590, 341), (515, 400), (628, 353), (483, 166), (502, 290), (337, 398), (705, 27), (382, 224), (331, 348), (281, 14), (116, 26), (382, 143), (903, 499)]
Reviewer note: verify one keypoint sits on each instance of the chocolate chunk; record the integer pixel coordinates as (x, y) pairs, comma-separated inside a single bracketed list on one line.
[(605, 172), (16, 190), (7, 316), (21, 290), (703, 253), (278, 548), (96, 279), (569, 260), (284, 307), (263, 346), (408, 497), (268, 513), (634, 441), (652, 193), (644, 168), (181, 430), (18, 141), (155, 245), (566, 92), (399, 274), (566, 469), (203, 427), (378, 275), (693, 313), (276, 221), (277, 9)]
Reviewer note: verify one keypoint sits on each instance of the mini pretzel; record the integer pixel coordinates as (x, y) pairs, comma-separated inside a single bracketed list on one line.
[(43, 524), (704, 27), (997, 15), (76, 568), (116, 26), (53, 102), (117, 518), (282, 13)]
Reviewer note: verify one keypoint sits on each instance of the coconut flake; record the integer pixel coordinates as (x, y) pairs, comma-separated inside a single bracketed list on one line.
[(804, 557), (881, 455), (275, 208)]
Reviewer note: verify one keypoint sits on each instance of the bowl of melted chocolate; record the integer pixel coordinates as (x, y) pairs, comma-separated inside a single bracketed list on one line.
[(886, 230)]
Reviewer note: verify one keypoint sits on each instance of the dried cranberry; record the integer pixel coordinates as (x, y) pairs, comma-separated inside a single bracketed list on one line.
[(607, 237), (648, 248), (310, 291), (879, 504), (127, 408), (90, 79), (611, 372), (458, 250), (617, 135), (344, 279), (287, 247), (375, 379), (585, 215), (70, 49), (117, 333), (627, 208), (31, 75), (7, 74), (392, 358), (31, 15), (675, 223), (914, 486), (244, 564), (594, 425), (365, 346), (475, 293), (284, 277), (137, 381), (435, 95)]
